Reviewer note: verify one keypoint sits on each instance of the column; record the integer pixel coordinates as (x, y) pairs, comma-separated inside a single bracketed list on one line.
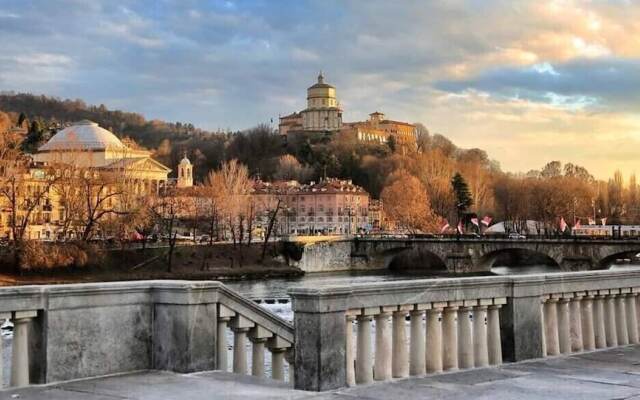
[(350, 356), (450, 336), (258, 337), (20, 351), (3, 317), (599, 322), (364, 371), (278, 347), (288, 355), (224, 316), (610, 319), (575, 318), (240, 326), (480, 345), (417, 342), (564, 334), (382, 364), (493, 331), (434, 338), (588, 334), (465, 334), (632, 318), (400, 357), (551, 327), (621, 318)]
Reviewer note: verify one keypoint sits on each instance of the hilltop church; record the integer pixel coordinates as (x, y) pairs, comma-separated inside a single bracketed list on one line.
[(324, 115)]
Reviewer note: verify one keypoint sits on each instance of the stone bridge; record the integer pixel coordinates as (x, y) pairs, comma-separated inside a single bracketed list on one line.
[(477, 255)]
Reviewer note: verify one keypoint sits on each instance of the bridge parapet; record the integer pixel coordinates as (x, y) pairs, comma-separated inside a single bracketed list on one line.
[(469, 322), (64, 332)]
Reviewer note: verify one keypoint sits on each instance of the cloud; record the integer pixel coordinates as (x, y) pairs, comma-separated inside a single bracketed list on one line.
[(528, 69)]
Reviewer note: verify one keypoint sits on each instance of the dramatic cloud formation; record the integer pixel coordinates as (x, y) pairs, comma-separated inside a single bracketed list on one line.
[(527, 81)]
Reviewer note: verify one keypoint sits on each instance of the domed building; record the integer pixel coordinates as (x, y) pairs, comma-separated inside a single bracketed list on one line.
[(323, 112), (87, 145)]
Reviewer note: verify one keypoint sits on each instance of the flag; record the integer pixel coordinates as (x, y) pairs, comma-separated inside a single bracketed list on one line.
[(577, 224), (460, 231), (604, 221), (486, 220), (475, 221), (592, 221), (445, 226), (563, 224)]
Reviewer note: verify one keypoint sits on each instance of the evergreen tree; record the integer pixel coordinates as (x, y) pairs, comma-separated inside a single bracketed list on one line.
[(462, 194)]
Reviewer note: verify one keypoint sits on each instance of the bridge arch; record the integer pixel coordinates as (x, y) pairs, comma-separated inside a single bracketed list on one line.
[(606, 261), (516, 257), (417, 259)]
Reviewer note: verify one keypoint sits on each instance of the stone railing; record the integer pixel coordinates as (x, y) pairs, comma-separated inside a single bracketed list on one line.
[(75, 331), (454, 323)]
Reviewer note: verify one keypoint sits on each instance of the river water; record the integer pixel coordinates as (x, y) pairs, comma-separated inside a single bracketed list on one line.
[(272, 294)]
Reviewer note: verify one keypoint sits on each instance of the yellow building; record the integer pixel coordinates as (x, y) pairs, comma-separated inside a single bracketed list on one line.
[(93, 155), (323, 112), (379, 129)]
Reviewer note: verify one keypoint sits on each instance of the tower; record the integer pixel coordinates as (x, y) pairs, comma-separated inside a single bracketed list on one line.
[(185, 173)]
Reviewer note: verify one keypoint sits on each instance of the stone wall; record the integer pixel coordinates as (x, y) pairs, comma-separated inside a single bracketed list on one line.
[(331, 256)]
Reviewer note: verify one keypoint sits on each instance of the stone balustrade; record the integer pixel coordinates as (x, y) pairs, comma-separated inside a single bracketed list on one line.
[(64, 332), (349, 335), (589, 319)]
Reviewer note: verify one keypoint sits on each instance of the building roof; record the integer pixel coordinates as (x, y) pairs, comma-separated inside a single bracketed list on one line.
[(321, 83), (83, 135)]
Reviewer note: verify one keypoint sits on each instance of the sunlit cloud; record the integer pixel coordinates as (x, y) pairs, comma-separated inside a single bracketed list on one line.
[(528, 81)]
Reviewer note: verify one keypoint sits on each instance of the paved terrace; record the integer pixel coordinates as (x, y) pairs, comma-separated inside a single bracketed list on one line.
[(606, 374)]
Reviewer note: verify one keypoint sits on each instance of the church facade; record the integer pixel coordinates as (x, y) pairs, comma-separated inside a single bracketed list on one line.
[(83, 156)]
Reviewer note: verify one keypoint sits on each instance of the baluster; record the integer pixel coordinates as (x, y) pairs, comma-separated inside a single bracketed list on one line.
[(289, 355), (480, 344), (598, 321), (610, 318), (3, 317), (382, 364), (621, 317), (277, 346), (400, 357), (258, 337), (632, 318), (417, 341), (543, 318), (564, 322), (240, 326), (575, 316), (350, 356), (493, 331), (450, 333), (465, 334), (20, 352), (224, 316), (364, 370), (588, 331), (551, 326), (434, 338)]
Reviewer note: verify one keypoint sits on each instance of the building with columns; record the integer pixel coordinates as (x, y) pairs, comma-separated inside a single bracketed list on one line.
[(323, 112), (81, 155)]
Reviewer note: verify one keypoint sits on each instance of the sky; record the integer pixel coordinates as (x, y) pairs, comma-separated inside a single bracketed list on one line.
[(527, 81)]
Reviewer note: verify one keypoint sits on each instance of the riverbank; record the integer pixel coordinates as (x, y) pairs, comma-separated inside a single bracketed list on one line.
[(223, 262)]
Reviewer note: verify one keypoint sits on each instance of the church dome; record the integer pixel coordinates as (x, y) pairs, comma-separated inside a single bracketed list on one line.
[(185, 161), (83, 135)]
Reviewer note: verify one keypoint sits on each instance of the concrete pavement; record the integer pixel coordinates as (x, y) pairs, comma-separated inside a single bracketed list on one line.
[(609, 374)]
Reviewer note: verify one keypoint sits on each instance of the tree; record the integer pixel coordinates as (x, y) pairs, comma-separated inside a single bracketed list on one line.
[(392, 142), (165, 210), (406, 203), (289, 168), (463, 197)]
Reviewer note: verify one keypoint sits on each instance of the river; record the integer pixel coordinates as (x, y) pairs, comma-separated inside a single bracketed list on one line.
[(275, 291)]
